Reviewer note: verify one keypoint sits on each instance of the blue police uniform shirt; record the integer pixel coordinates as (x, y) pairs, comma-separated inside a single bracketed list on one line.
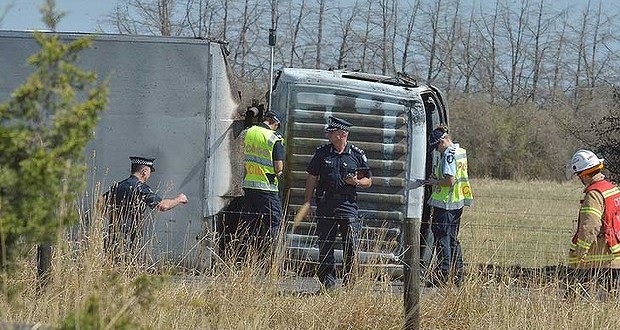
[(130, 198), (449, 165), (332, 169)]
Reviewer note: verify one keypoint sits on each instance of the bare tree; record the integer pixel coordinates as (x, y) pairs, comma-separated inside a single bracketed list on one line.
[(346, 29), (319, 38), (148, 16), (470, 56), (432, 43), (296, 24), (538, 52), (489, 35), (409, 36), (515, 37), (581, 49), (366, 36), (447, 57), (200, 16), (388, 12), (250, 15)]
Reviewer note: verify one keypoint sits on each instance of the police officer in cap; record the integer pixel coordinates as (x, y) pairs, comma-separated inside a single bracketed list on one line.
[(264, 163), (451, 192), (335, 172), (126, 202)]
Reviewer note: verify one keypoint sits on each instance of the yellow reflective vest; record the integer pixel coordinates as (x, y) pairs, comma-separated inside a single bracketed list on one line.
[(258, 149), (458, 195)]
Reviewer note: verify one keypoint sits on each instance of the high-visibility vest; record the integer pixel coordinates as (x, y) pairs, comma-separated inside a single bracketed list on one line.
[(611, 218), (259, 143), (458, 195)]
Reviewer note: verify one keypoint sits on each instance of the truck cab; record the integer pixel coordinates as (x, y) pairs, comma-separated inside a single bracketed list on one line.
[(392, 117)]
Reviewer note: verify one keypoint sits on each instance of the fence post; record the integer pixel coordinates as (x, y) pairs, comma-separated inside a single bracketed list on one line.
[(411, 272), (44, 263)]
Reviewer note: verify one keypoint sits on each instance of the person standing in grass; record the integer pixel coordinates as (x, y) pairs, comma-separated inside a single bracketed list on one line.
[(126, 202), (262, 206), (335, 172), (594, 253), (451, 192)]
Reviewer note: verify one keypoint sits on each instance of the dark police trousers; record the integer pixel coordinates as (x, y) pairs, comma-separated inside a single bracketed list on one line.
[(327, 229), (445, 228), (260, 221)]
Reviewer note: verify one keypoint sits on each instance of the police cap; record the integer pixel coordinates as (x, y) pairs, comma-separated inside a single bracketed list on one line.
[(143, 161), (273, 115), (334, 124), (436, 136)]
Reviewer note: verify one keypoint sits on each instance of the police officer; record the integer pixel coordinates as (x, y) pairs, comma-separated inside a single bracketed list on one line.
[(451, 192), (264, 163), (126, 202), (335, 172)]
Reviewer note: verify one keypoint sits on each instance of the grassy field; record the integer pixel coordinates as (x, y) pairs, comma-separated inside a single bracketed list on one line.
[(527, 223), (520, 223)]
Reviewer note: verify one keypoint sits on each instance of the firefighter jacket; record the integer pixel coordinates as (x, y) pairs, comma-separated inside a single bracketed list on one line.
[(595, 244), (453, 162), (258, 149)]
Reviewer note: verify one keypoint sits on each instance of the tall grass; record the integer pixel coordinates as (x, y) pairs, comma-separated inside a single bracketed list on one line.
[(87, 289)]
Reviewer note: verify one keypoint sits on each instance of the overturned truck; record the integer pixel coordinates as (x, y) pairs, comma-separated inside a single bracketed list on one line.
[(174, 99), (392, 117)]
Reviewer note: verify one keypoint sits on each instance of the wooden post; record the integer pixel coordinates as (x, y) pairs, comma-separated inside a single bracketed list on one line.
[(411, 272), (44, 263)]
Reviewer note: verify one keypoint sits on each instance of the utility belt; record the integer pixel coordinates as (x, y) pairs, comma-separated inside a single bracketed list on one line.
[(326, 195)]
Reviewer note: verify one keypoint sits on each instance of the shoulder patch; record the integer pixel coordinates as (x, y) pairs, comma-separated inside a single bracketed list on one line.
[(322, 146), (353, 147)]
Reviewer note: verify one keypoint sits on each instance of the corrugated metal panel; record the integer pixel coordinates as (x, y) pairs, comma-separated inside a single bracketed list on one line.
[(381, 113)]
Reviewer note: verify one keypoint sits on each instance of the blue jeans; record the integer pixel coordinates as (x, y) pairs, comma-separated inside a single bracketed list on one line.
[(445, 228), (327, 229)]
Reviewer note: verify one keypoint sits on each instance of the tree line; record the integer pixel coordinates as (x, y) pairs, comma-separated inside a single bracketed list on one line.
[(541, 71)]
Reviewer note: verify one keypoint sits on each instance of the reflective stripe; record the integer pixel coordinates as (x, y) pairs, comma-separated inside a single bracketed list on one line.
[(610, 192), (593, 258), (591, 210), (615, 248), (573, 246), (258, 160), (583, 244), (260, 185), (601, 257)]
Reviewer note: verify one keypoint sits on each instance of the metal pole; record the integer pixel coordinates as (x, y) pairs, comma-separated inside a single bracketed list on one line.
[(411, 274), (272, 43)]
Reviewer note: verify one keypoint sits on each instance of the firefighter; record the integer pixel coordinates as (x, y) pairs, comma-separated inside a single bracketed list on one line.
[(451, 192), (126, 202), (594, 254), (264, 163), (335, 172)]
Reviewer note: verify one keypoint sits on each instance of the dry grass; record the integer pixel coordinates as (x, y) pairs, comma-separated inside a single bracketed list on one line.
[(246, 298)]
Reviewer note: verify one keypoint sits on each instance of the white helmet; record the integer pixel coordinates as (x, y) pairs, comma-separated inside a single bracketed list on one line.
[(583, 160)]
